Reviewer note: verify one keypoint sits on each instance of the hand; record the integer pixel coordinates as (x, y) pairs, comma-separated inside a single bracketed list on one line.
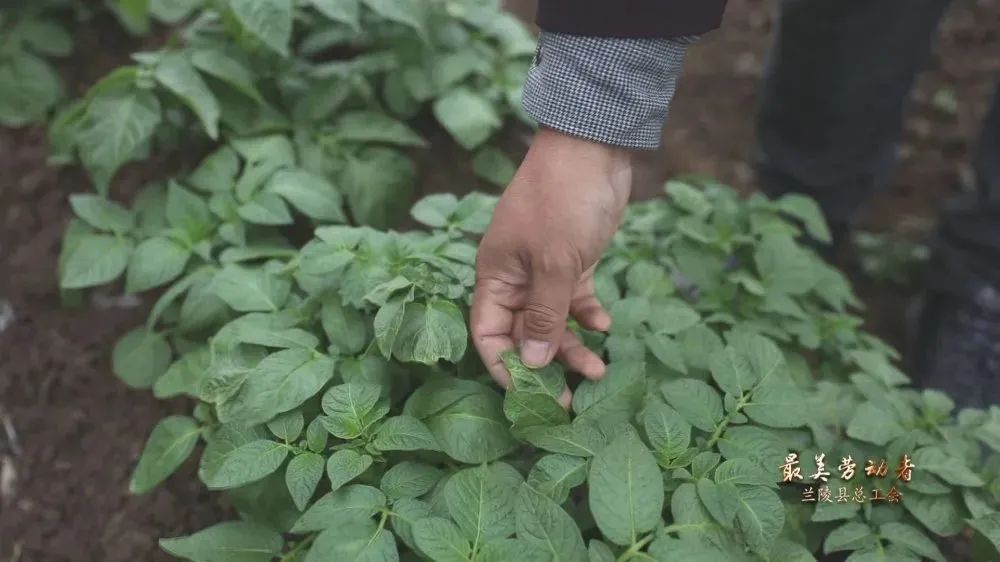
[(536, 261)]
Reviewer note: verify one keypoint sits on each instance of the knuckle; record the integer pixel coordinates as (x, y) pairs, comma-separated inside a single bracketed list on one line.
[(540, 318)]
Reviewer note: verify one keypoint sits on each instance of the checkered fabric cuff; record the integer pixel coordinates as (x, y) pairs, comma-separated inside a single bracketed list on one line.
[(610, 90)]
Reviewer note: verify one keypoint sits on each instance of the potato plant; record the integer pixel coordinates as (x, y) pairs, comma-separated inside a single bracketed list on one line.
[(340, 406)]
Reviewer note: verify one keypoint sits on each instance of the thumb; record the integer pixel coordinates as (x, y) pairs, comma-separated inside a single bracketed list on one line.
[(545, 311)]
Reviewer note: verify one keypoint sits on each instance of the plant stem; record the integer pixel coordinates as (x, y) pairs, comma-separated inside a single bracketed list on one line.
[(302, 544), (635, 548)]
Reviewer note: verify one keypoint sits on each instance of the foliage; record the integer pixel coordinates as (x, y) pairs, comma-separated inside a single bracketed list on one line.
[(891, 258), (29, 85), (339, 404)]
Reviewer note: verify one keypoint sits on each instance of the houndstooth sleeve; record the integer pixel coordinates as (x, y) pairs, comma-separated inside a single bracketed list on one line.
[(611, 90)]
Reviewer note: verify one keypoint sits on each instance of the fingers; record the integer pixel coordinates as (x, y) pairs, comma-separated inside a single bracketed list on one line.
[(578, 357), (545, 311), (587, 310), (492, 321)]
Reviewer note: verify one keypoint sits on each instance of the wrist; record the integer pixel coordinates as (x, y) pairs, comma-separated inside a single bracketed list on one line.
[(612, 164)]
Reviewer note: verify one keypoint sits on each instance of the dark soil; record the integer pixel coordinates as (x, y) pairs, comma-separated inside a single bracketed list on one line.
[(70, 432)]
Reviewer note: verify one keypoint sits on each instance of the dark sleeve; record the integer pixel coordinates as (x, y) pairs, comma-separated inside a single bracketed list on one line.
[(630, 18)]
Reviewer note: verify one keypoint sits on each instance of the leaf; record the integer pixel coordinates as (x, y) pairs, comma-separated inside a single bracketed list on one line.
[(345, 327), (29, 88), (874, 424), (101, 213), (783, 266), (732, 371), (352, 408), (406, 12), (600, 552), (346, 465), (721, 500), (577, 439), (779, 405), (388, 321), (188, 212), (95, 259), (243, 464), (232, 541), (529, 409), (349, 504), (140, 357), (473, 429), (941, 514), (808, 211), (688, 197), (849, 536), (987, 525), (173, 11), (441, 540), (302, 476), (667, 431), (311, 194), (154, 262), (249, 290), (912, 539), (374, 127), (695, 401), (494, 166), (354, 541), (316, 436), (542, 523), (435, 210), (176, 73), (744, 472), (505, 550), (279, 383), (270, 21), (761, 516), (431, 332), (555, 475), (343, 11), (409, 479), (116, 125), (948, 468), (626, 490), (481, 504), (287, 426), (613, 398), (265, 208), (171, 442), (404, 433), (228, 67), (470, 118), (546, 380)]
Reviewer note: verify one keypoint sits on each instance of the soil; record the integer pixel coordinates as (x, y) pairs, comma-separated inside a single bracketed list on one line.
[(70, 432)]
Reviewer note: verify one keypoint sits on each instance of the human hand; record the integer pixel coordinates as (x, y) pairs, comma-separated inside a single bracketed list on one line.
[(536, 261)]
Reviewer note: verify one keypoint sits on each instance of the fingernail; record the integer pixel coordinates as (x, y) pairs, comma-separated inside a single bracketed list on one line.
[(534, 353)]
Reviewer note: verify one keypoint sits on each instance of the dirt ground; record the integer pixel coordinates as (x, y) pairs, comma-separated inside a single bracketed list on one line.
[(70, 433)]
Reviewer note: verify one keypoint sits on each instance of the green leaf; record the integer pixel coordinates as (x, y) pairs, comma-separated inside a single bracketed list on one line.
[(171, 442), (470, 118), (117, 124), (478, 419), (29, 88), (316, 436), (232, 541), (101, 213), (667, 431), (667, 351), (173, 11), (614, 397), (441, 540), (233, 467), (346, 465), (947, 467), (529, 409), (779, 405), (761, 516), (732, 371), (783, 266), (409, 479), (311, 194), (874, 423), (228, 67), (547, 380), (95, 259), (577, 439), (404, 433), (626, 490), (352, 408), (343, 11), (140, 357), (354, 541), (912, 539), (379, 184), (849, 536), (721, 500), (176, 73), (505, 550), (349, 504), (807, 211), (249, 290), (481, 504), (406, 12), (287, 426), (188, 212), (431, 332), (555, 475), (494, 166), (154, 262), (345, 327), (695, 401), (279, 383), (542, 523), (374, 127), (270, 21), (265, 208), (600, 552), (744, 472), (435, 210), (302, 476), (687, 197), (388, 321), (941, 514), (987, 525)]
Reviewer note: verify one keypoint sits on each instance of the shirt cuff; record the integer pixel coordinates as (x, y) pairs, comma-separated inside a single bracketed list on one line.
[(610, 90)]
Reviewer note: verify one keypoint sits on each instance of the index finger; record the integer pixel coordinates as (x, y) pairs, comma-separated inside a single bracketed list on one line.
[(492, 322)]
